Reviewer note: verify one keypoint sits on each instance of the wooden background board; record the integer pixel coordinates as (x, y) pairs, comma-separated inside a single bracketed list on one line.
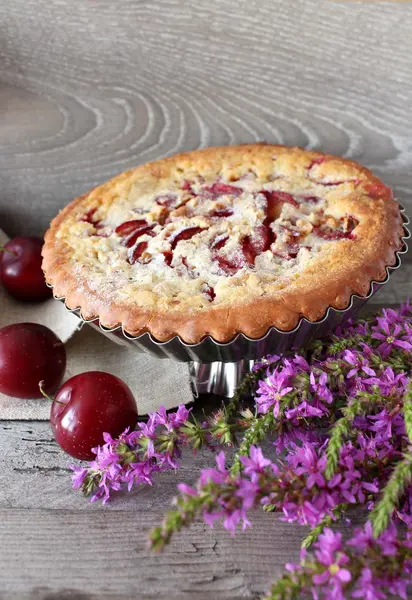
[(91, 87)]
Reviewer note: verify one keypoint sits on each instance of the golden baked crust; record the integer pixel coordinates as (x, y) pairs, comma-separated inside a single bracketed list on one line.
[(270, 234)]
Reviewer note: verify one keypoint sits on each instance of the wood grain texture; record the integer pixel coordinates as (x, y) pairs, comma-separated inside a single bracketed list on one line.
[(110, 558), (101, 551), (89, 88), (56, 545)]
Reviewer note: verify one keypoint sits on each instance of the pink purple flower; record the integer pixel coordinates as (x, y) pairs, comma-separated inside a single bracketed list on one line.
[(391, 335), (272, 389), (358, 362)]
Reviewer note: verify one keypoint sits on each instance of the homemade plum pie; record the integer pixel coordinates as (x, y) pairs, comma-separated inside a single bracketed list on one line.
[(223, 240)]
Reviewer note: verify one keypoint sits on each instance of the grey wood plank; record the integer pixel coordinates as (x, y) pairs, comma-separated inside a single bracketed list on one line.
[(88, 89), (60, 553), (94, 551)]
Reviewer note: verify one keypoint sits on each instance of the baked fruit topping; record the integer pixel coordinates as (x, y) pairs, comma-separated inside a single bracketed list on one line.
[(224, 240)]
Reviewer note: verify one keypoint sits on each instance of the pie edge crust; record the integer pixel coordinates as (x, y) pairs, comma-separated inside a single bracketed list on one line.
[(253, 318)]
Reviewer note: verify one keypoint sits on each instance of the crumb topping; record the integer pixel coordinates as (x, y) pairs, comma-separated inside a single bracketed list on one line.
[(223, 240), (199, 237)]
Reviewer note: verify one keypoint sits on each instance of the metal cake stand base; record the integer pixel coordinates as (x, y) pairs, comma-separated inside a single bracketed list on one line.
[(218, 378)]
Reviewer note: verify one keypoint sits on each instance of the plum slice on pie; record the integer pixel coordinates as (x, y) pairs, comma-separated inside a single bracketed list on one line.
[(224, 240)]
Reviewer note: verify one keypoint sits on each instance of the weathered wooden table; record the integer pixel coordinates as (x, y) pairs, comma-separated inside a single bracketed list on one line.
[(91, 87)]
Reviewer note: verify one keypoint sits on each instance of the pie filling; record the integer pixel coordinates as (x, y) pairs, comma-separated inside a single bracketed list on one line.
[(202, 236)]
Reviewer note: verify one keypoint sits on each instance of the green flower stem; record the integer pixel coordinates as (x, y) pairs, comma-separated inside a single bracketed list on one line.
[(184, 514), (220, 430), (244, 388), (312, 537), (338, 345), (7, 251), (256, 432), (392, 493), (91, 482), (407, 411), (288, 587), (192, 434), (342, 429), (188, 506)]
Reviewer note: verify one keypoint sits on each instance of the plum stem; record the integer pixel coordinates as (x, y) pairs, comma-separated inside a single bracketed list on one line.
[(41, 384), (3, 249)]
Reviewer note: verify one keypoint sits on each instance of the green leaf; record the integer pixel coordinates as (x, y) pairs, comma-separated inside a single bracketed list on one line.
[(343, 430), (312, 537), (391, 496), (255, 433), (245, 387), (407, 411)]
